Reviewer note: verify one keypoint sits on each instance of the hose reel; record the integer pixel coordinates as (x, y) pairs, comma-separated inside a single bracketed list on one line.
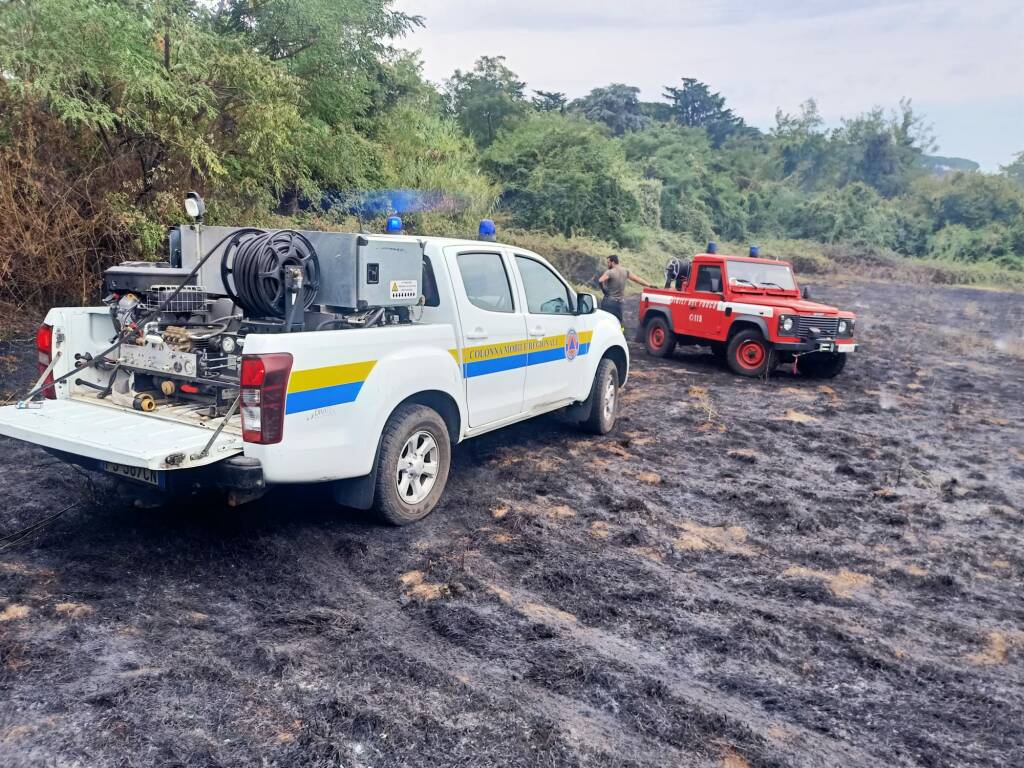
[(271, 274)]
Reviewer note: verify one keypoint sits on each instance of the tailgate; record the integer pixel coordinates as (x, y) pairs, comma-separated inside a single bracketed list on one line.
[(115, 435)]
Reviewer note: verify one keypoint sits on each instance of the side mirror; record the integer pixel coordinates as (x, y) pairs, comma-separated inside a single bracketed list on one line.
[(586, 304), (806, 292)]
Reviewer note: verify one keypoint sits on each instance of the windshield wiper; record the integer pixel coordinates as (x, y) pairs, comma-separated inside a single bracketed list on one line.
[(741, 280), (766, 285)]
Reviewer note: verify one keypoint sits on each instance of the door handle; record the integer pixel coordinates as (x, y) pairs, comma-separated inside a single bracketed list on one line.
[(477, 334), (537, 331)]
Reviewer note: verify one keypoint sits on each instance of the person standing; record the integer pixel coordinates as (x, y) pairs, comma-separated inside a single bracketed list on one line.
[(613, 283)]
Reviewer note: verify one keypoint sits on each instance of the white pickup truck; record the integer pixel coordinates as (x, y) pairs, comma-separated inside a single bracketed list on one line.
[(372, 399)]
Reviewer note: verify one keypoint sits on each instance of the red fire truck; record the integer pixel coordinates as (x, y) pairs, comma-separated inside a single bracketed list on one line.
[(750, 311)]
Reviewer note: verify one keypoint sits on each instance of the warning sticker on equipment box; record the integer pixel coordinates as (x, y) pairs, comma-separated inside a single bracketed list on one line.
[(405, 289)]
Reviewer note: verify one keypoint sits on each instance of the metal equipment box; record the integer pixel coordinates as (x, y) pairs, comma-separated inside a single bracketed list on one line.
[(356, 271)]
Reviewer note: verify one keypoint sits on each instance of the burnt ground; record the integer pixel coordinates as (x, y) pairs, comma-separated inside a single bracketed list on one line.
[(781, 572)]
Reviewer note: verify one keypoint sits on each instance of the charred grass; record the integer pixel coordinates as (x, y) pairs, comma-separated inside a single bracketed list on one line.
[(746, 573)]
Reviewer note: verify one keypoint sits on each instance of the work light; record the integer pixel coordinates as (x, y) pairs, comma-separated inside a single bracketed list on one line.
[(194, 206)]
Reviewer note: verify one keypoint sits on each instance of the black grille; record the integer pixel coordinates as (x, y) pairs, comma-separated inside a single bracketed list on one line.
[(817, 327)]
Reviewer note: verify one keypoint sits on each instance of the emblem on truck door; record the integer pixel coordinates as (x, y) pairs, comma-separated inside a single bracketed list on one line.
[(572, 344)]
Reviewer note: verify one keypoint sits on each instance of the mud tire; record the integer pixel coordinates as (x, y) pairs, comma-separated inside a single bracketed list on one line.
[(749, 353), (601, 420), (659, 339), (821, 365), (405, 423)]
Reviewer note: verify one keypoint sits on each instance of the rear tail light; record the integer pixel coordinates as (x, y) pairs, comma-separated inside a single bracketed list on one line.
[(44, 348), (264, 394)]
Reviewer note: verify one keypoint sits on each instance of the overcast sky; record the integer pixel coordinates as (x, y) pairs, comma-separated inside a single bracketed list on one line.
[(961, 62)]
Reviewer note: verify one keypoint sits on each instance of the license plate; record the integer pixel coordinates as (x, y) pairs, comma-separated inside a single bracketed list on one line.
[(826, 346), (138, 474)]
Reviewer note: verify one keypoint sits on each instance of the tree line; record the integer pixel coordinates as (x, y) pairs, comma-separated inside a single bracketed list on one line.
[(111, 109)]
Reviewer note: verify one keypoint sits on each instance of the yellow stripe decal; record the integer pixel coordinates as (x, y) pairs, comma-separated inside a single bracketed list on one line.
[(330, 376)]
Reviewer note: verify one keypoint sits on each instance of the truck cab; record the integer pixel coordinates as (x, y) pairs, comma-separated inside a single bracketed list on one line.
[(749, 311), (259, 358)]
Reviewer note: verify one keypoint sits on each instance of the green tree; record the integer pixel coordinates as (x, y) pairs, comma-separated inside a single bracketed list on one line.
[(883, 152), (698, 196), (694, 105), (486, 99), (1015, 170), (563, 175), (973, 200), (616, 106), (428, 152), (802, 147), (338, 49), (549, 101)]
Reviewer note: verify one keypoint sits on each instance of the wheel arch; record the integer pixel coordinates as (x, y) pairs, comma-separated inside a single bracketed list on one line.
[(743, 322), (359, 492), (618, 355), (439, 401), (653, 312)]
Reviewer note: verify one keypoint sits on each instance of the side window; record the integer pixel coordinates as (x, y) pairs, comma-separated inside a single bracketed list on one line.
[(546, 294), (486, 282), (709, 278)]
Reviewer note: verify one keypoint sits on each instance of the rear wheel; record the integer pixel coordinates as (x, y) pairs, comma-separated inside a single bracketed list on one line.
[(603, 400), (659, 338), (748, 353), (415, 456), (821, 365)]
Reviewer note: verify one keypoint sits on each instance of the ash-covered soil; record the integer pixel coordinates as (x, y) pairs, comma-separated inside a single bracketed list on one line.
[(781, 572)]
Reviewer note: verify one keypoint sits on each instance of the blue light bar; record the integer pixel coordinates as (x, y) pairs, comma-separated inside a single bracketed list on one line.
[(755, 252), (487, 229), (394, 225), (712, 247)]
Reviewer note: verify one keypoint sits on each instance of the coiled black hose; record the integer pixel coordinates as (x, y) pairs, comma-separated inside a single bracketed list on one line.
[(254, 270)]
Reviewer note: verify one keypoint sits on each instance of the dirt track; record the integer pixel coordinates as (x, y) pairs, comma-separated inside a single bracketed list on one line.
[(745, 572)]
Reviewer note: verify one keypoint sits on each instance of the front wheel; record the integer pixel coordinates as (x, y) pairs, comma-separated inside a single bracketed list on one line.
[(415, 456), (659, 338), (821, 365), (603, 400), (748, 353)]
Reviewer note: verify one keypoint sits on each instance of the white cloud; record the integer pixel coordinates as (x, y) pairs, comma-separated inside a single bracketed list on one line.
[(849, 56)]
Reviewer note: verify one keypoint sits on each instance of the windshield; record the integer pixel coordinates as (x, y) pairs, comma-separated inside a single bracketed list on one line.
[(755, 274)]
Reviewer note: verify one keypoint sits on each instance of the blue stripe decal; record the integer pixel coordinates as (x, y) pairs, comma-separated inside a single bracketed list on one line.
[(547, 355), (499, 364), (324, 397), (494, 365)]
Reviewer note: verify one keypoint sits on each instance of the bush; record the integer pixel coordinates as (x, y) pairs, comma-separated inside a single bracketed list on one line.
[(562, 174)]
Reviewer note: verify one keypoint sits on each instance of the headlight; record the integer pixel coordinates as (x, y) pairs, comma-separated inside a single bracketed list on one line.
[(787, 325), (845, 327)]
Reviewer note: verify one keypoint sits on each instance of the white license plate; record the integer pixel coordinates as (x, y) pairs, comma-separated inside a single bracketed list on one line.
[(138, 474)]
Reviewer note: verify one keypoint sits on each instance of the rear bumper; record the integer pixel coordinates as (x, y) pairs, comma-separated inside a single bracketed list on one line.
[(844, 346), (241, 474)]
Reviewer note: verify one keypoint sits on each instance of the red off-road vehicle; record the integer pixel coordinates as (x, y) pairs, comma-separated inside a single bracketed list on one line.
[(749, 311)]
